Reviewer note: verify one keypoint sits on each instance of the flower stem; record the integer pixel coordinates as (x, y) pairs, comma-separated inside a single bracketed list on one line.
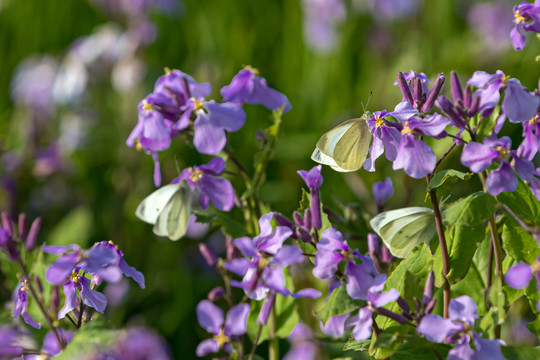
[(273, 348), (444, 249), (255, 343)]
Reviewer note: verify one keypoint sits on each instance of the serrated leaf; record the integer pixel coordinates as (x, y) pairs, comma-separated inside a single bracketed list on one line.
[(230, 226), (523, 203), (338, 303), (472, 210), (462, 242), (519, 244)]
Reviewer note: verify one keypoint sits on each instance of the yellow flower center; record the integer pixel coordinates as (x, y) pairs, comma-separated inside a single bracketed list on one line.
[(115, 246), (378, 121), (262, 263), (195, 175), (534, 119), (198, 104), (221, 338), (167, 70), (406, 129), (505, 78), (252, 69), (138, 145), (24, 285), (535, 266), (518, 18), (146, 106), (503, 153), (74, 276)]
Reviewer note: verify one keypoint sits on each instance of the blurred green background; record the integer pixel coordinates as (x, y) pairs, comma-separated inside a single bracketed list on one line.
[(90, 190)]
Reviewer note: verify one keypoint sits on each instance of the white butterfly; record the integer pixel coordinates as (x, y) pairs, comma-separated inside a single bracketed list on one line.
[(404, 229), (168, 209), (345, 147)]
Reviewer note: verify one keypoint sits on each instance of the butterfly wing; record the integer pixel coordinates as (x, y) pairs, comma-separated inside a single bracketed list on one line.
[(351, 150), (150, 208), (173, 220), (404, 229), (345, 147)]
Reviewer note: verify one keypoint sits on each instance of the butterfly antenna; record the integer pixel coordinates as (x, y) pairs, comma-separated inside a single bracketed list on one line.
[(364, 108)]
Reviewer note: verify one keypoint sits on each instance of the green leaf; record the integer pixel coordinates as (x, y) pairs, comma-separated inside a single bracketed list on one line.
[(487, 125), (304, 202), (472, 210), (230, 226), (386, 344), (89, 339), (74, 228), (523, 203), (462, 242), (497, 299), (520, 352), (519, 244), (357, 345), (534, 326), (444, 180), (338, 303), (419, 263), (474, 282)]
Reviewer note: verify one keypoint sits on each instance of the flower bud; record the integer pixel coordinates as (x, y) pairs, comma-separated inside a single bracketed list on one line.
[(457, 90), (307, 219), (208, 255), (403, 305), (7, 224), (230, 249), (8, 245), (55, 299), (382, 191), (405, 90), (298, 219), (21, 224), (392, 315), (282, 220), (216, 294), (31, 240), (467, 98), (266, 309), (428, 288), (373, 246), (435, 90), (417, 93), (430, 306)]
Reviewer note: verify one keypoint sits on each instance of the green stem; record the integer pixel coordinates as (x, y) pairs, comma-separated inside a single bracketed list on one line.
[(273, 348), (255, 343)]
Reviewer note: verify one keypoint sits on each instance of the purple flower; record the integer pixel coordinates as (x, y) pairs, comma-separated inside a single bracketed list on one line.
[(478, 157), (99, 260), (50, 346), (492, 21), (9, 343), (519, 104), (520, 274), (382, 191), (526, 19), (388, 10), (211, 121), (457, 329), (8, 245), (248, 87), (264, 261), (331, 250), (386, 135), (88, 296), (143, 344), (488, 89), (207, 180), (314, 180), (531, 138), (302, 344), (21, 305), (362, 322), (127, 270), (320, 20), (414, 156), (225, 330)]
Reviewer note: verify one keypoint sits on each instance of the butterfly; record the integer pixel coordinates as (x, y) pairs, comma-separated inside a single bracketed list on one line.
[(345, 147), (168, 209), (404, 229)]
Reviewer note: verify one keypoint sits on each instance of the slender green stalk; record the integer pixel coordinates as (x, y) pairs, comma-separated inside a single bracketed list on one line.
[(255, 343), (273, 348)]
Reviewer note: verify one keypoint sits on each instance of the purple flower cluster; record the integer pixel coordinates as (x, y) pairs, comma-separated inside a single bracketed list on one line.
[(178, 105), (104, 261), (458, 330), (519, 276), (526, 19)]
